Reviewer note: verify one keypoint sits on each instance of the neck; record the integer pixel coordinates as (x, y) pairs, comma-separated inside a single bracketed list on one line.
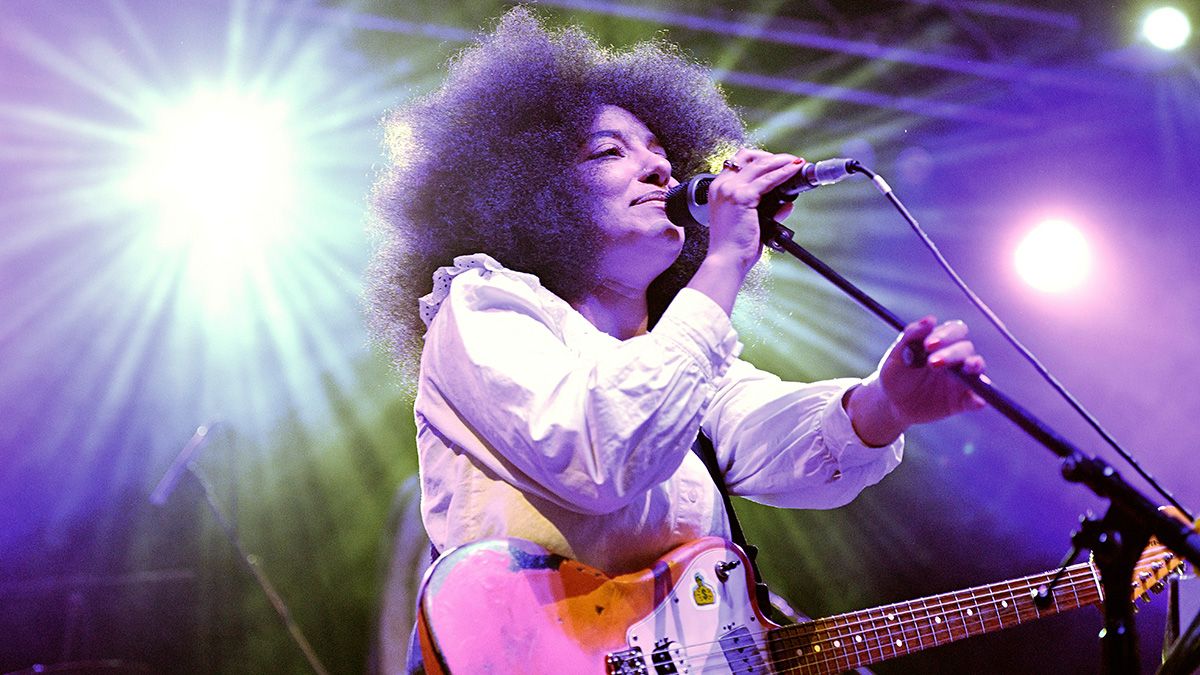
[(616, 309)]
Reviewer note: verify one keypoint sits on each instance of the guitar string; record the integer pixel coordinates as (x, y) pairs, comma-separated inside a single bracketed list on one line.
[(883, 645), (811, 660), (832, 657), (823, 635), (946, 599), (958, 600), (821, 662), (1076, 574)]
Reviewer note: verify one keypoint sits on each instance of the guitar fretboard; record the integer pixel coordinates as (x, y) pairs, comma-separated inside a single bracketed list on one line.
[(847, 641)]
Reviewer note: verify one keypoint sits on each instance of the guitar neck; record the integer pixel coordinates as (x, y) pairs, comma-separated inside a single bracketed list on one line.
[(847, 641)]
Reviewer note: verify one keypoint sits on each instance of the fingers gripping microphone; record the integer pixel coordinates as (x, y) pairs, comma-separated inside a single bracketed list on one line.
[(687, 203)]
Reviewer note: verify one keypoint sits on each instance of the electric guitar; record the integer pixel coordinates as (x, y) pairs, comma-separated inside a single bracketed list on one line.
[(510, 606)]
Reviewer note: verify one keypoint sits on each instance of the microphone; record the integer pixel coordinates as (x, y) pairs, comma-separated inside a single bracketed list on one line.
[(687, 203), (167, 484)]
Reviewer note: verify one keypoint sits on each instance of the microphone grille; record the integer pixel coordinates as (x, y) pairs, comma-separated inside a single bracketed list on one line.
[(686, 201), (676, 190)]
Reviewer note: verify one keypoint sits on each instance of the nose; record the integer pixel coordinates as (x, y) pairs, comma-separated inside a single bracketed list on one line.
[(656, 170)]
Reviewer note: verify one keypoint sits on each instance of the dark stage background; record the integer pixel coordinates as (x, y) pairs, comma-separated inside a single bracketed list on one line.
[(183, 234)]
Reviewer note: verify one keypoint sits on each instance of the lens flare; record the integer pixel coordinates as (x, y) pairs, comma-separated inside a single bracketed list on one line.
[(1166, 28), (1054, 257)]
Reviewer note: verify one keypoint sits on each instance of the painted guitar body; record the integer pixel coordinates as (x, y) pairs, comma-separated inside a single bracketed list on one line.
[(509, 606), (524, 610)]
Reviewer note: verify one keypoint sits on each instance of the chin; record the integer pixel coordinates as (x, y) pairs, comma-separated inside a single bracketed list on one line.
[(676, 236), (673, 230)]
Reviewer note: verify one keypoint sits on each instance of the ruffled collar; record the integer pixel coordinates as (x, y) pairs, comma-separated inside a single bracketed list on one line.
[(431, 303)]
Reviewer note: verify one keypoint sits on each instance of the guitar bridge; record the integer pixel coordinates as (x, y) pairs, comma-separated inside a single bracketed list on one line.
[(626, 662)]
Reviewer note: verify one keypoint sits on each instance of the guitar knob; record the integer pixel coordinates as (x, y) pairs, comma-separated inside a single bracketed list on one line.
[(723, 569)]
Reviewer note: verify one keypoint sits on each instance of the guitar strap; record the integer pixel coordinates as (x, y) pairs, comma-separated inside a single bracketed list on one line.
[(708, 454)]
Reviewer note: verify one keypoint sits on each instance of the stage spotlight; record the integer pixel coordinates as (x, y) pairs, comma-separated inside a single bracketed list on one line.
[(1166, 28), (215, 179), (1054, 257)]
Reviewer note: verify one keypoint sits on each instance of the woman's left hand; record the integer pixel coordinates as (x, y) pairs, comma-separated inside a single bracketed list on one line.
[(900, 394)]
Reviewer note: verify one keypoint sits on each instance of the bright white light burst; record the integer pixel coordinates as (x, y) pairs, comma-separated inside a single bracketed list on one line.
[(1054, 257), (1166, 28), (216, 178)]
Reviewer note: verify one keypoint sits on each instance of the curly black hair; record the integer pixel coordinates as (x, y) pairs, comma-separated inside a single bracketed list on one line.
[(483, 164)]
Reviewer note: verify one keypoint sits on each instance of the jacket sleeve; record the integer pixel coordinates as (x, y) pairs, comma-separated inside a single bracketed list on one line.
[(589, 428)]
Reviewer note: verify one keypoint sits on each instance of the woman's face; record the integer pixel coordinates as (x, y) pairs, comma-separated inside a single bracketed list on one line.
[(627, 173)]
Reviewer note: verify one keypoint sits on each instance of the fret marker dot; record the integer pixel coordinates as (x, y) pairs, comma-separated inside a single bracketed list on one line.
[(891, 617), (858, 638), (899, 643), (799, 652), (817, 648), (937, 619), (970, 612), (1004, 603), (837, 643)]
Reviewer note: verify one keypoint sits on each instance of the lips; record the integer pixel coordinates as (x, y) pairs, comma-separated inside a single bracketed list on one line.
[(655, 196)]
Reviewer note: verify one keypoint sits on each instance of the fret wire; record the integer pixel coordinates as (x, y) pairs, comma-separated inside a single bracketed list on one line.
[(1070, 581), (960, 601), (933, 625), (958, 598), (919, 622), (821, 634), (833, 656), (819, 659), (1018, 599)]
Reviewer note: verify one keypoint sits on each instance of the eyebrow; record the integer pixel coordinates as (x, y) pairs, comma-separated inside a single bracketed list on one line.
[(650, 142)]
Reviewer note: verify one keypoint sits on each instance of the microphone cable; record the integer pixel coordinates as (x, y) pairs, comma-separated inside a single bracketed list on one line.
[(854, 166)]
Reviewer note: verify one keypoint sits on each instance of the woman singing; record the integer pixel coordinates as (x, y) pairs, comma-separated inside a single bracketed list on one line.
[(571, 342)]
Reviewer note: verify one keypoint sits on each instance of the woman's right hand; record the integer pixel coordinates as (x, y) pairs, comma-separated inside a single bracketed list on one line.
[(734, 239)]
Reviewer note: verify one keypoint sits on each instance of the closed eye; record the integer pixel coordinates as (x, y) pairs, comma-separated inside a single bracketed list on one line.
[(611, 151)]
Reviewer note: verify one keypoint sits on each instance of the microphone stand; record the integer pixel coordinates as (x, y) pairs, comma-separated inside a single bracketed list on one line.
[(184, 466), (1181, 652), (1117, 539)]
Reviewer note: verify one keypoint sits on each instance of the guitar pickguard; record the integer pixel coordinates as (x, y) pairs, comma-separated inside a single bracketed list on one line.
[(705, 623)]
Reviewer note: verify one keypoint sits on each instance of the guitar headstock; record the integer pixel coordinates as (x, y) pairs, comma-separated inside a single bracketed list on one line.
[(1158, 562)]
